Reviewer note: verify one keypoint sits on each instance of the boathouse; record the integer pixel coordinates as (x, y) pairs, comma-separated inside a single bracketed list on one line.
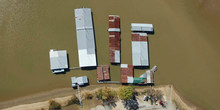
[(126, 71), (58, 60), (85, 37), (81, 81), (140, 55), (142, 27), (103, 73), (114, 38)]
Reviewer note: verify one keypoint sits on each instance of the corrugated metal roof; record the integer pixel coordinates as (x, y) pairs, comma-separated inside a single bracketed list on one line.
[(126, 70), (150, 77), (58, 59), (79, 80), (117, 56), (114, 30), (85, 37), (130, 79), (103, 72), (114, 38), (140, 55), (142, 27)]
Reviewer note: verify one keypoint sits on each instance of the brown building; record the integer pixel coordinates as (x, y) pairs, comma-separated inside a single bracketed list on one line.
[(103, 73), (114, 38), (126, 70)]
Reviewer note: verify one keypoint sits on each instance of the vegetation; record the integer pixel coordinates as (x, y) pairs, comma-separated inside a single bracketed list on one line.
[(53, 105), (73, 100), (106, 94), (126, 92), (87, 95)]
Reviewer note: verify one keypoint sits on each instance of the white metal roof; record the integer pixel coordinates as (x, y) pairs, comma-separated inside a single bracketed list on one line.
[(79, 80), (114, 30), (58, 59), (140, 53), (150, 76), (117, 56), (124, 65), (85, 37), (130, 79), (142, 27)]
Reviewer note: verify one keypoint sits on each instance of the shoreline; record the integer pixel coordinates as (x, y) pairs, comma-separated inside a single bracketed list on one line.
[(40, 100)]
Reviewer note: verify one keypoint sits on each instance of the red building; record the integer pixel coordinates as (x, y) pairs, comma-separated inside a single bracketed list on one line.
[(114, 38), (126, 70), (103, 73)]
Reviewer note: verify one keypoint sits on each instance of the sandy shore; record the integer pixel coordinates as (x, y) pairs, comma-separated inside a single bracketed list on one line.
[(38, 101)]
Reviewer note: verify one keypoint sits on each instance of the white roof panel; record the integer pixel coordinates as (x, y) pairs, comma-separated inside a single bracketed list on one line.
[(58, 59), (85, 37), (124, 65), (83, 18), (114, 30), (130, 79), (140, 53), (117, 56), (142, 27), (79, 80)]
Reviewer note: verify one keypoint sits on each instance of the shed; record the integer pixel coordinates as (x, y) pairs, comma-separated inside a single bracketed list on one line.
[(103, 73), (58, 60), (140, 55), (142, 27), (82, 80), (85, 37), (126, 71), (114, 38)]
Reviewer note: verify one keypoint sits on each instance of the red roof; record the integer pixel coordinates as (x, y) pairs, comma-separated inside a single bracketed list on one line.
[(125, 72), (114, 37), (138, 37), (103, 72), (114, 21)]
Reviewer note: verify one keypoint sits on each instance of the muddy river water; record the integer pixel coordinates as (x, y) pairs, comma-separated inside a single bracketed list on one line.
[(185, 45)]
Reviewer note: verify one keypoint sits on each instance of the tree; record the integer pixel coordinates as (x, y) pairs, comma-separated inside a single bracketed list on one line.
[(73, 100), (126, 92), (106, 94), (87, 95), (53, 105)]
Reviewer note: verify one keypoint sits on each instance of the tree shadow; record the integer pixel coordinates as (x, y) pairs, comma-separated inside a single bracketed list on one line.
[(131, 104), (111, 104)]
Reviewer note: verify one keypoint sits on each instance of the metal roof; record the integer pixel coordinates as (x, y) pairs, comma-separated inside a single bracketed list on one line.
[(114, 38), (103, 72), (85, 37), (126, 70), (79, 80), (142, 27), (140, 55), (114, 30), (58, 59), (150, 77)]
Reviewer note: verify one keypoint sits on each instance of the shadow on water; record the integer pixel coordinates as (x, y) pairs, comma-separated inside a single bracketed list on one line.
[(89, 68), (94, 38), (141, 67)]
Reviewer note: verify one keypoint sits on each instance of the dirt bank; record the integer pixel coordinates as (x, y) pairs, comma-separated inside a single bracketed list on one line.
[(34, 103)]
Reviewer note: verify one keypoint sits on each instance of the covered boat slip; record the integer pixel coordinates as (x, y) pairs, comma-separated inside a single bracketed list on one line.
[(114, 39), (142, 27), (140, 55), (58, 60), (85, 37)]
